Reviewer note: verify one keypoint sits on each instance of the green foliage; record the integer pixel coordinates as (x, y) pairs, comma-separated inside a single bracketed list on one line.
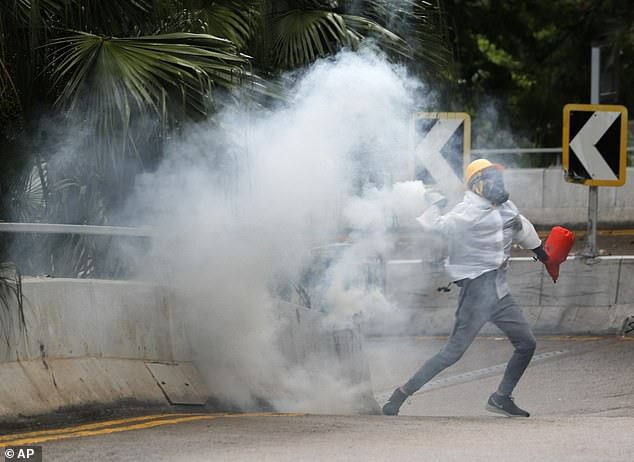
[(300, 37), (527, 60), (118, 96), (289, 35), (143, 73), (123, 75)]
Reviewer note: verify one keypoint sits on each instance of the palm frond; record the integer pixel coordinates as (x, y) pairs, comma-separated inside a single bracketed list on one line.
[(144, 72), (367, 28), (430, 36), (29, 194), (233, 20), (420, 25), (302, 36)]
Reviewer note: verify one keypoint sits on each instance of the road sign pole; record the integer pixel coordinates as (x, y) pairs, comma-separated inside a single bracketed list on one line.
[(595, 75), (593, 191), (593, 209), (594, 148)]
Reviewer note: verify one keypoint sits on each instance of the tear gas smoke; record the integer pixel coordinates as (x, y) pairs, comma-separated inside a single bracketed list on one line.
[(244, 209)]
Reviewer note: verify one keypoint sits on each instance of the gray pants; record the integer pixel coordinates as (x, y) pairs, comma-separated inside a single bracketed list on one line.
[(478, 304)]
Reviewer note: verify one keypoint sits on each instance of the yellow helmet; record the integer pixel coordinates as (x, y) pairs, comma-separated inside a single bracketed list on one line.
[(477, 166), (474, 167)]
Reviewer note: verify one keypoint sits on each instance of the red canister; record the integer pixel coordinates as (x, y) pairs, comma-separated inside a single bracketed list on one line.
[(559, 243)]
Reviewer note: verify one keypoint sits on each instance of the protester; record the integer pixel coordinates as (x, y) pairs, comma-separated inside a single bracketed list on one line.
[(480, 231)]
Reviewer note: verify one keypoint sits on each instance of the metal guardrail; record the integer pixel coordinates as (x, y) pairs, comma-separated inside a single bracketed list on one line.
[(517, 151), (525, 150), (94, 251), (49, 228)]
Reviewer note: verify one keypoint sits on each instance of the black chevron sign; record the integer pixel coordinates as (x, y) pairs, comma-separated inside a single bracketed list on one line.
[(595, 144), (442, 144)]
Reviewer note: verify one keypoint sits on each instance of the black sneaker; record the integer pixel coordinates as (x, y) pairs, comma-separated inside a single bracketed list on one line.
[(505, 405), (394, 403)]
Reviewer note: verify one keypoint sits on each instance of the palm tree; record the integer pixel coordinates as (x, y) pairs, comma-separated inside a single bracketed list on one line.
[(283, 35), (128, 72), (105, 86)]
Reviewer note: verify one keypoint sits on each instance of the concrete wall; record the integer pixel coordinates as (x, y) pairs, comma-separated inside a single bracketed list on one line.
[(304, 336), (591, 296), (308, 345), (100, 344), (74, 318), (547, 199)]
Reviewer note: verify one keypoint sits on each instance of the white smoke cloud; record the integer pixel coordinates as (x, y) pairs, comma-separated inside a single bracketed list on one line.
[(244, 207)]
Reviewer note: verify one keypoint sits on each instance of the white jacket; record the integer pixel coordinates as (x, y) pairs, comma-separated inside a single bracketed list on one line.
[(480, 235)]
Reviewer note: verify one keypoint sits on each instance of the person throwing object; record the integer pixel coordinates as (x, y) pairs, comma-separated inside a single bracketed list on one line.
[(480, 231)]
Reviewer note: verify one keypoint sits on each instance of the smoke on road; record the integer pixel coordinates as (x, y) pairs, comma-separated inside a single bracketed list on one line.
[(296, 202)]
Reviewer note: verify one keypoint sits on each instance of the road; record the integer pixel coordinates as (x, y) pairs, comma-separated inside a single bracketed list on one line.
[(579, 390)]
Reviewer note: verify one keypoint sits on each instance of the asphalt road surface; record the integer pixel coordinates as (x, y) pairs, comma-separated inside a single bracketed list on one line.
[(579, 391)]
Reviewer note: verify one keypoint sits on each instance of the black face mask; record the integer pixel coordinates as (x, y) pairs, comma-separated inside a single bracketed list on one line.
[(489, 184)]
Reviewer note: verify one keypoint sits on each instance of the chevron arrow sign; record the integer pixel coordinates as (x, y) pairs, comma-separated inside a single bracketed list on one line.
[(441, 144), (595, 144)]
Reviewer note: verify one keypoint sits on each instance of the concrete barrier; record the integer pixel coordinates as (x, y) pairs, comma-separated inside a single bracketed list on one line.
[(547, 199), (591, 296), (306, 344), (75, 318), (102, 345)]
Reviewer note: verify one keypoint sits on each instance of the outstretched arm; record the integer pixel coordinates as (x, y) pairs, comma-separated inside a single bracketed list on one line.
[(527, 238), (432, 217), (526, 235)]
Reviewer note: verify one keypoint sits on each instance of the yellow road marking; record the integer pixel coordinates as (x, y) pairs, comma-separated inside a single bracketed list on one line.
[(105, 431), (105, 428), (105, 423), (616, 232), (600, 232)]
